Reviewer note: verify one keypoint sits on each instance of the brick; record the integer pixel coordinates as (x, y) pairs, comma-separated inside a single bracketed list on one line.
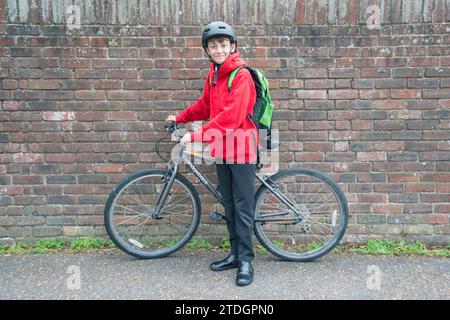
[(4, 137), (405, 94), (390, 83), (43, 84), (437, 72), (436, 177), (25, 52), (386, 229), (75, 63), (60, 52), (407, 73), (122, 95), (392, 62), (306, 156), (390, 104), (28, 158), (107, 84), (387, 125), (60, 199), (371, 156), (417, 229), (128, 74), (342, 115), (156, 74), (403, 198), (47, 232), (434, 219), (343, 94), (406, 114), (423, 83), (90, 116), (375, 73), (319, 125), (90, 220), (28, 221), (58, 116), (403, 177), (373, 94), (313, 73), (60, 221), (60, 158), (414, 209), (370, 219), (20, 232), (88, 74), (390, 146), (154, 52), (27, 180), (432, 94), (187, 53), (122, 116), (312, 94), (442, 208), (122, 52), (363, 84), (60, 179), (89, 95), (442, 230), (343, 73), (45, 169), (74, 231), (108, 168)]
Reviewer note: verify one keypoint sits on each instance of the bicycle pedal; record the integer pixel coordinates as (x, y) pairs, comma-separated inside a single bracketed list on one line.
[(215, 216)]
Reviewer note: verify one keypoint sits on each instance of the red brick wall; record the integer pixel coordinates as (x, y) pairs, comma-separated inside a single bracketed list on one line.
[(80, 109)]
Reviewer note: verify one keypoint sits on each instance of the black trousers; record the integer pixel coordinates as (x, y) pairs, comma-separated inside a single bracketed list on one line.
[(237, 186)]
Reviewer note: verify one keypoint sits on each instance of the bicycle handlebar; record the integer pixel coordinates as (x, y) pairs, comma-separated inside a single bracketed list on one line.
[(171, 127), (179, 132)]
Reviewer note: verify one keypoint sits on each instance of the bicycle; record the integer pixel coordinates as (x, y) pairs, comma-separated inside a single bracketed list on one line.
[(300, 214)]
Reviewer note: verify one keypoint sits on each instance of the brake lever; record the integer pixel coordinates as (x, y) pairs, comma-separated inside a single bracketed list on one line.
[(171, 127)]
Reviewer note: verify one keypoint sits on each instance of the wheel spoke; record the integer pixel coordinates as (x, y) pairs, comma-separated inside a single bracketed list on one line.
[(315, 200), (133, 227)]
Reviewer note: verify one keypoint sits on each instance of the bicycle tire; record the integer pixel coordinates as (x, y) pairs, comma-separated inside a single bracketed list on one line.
[(136, 247), (276, 247)]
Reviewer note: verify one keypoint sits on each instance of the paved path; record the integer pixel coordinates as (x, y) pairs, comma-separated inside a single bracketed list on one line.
[(185, 275)]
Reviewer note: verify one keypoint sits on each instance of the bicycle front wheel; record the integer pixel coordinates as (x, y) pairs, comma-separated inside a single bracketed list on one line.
[(130, 218), (303, 218)]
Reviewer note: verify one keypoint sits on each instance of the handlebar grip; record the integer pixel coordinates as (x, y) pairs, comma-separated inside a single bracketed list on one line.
[(171, 127)]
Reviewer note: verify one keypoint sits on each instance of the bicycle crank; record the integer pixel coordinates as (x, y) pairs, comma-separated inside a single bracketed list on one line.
[(215, 216)]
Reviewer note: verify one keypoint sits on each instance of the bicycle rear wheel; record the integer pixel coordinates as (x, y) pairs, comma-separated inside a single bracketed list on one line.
[(317, 226), (130, 220)]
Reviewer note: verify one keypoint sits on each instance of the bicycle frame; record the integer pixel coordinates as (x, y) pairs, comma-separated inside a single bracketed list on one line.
[(183, 157)]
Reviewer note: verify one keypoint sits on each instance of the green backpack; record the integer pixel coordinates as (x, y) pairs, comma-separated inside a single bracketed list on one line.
[(263, 108)]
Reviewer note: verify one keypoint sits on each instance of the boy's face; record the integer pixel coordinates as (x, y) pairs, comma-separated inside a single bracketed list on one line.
[(220, 49)]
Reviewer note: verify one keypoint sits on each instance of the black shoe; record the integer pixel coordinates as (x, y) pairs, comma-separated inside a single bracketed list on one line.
[(244, 274), (229, 262)]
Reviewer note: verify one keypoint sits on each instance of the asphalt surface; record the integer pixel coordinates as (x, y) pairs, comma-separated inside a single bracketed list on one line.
[(185, 275)]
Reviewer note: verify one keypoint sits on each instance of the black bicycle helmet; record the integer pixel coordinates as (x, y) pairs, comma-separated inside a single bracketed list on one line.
[(218, 29)]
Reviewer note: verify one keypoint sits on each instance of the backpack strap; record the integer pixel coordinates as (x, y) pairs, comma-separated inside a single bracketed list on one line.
[(249, 116), (232, 76)]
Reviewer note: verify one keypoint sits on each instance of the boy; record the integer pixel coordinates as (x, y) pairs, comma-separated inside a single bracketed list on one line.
[(228, 130)]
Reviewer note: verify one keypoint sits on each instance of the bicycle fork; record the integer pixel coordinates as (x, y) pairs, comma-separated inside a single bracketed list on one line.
[(168, 179)]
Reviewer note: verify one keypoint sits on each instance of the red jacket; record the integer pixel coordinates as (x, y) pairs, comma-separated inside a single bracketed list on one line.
[(227, 113)]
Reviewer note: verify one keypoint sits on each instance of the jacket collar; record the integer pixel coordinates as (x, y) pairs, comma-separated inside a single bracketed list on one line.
[(229, 65)]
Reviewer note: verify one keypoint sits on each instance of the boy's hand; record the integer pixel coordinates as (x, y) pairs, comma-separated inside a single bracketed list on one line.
[(171, 118)]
